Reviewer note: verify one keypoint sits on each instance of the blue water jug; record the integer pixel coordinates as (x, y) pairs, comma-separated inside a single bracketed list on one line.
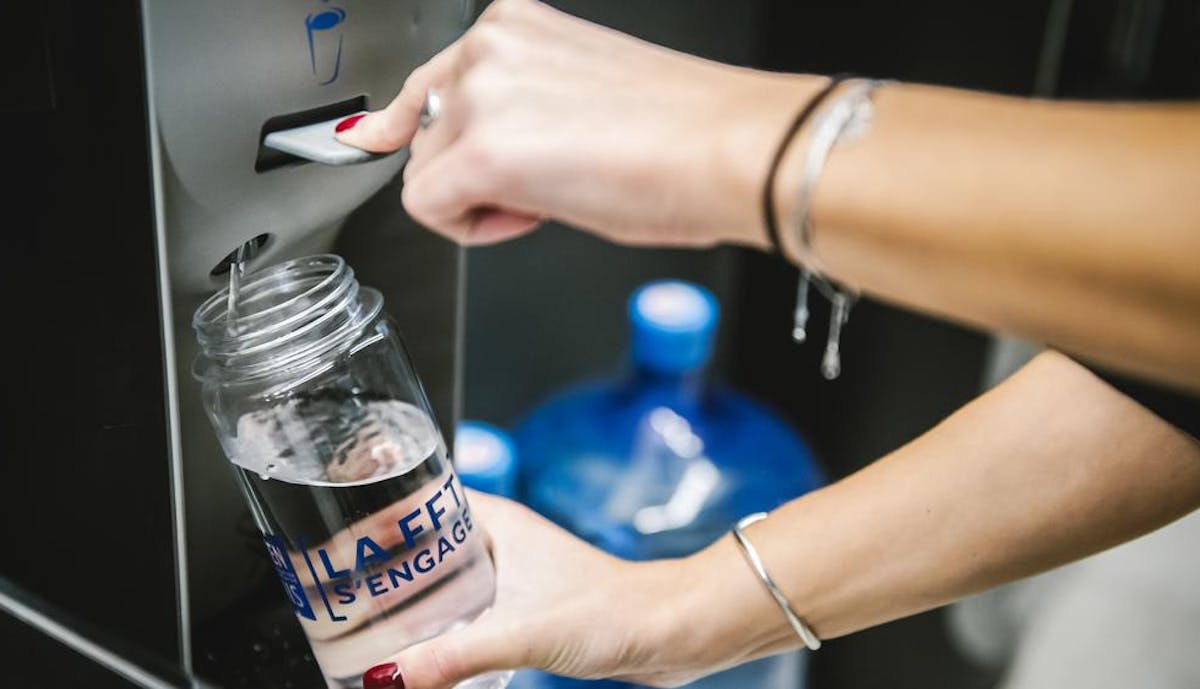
[(659, 462), (485, 458)]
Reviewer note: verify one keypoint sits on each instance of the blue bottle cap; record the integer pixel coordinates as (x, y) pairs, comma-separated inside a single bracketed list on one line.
[(674, 323), (485, 458)]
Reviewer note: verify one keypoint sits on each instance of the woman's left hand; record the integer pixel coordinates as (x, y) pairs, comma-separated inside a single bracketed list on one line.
[(566, 607)]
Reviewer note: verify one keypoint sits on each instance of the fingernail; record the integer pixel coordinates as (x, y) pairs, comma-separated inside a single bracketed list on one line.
[(386, 676), (348, 123)]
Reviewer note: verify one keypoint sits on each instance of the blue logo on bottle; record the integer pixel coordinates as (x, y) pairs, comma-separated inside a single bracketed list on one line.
[(278, 551), (343, 576), (324, 27)]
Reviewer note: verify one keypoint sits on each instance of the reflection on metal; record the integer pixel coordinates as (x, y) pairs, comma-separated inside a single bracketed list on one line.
[(76, 641), (170, 371)]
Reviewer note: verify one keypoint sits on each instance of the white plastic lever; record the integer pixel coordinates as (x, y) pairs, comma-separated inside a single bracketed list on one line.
[(315, 142)]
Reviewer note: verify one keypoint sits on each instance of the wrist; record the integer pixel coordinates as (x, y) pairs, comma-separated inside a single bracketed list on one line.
[(756, 123), (718, 613), (837, 121)]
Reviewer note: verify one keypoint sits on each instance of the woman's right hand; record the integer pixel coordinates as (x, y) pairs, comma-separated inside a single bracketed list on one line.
[(547, 116)]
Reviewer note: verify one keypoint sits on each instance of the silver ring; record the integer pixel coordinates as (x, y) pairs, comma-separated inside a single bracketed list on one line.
[(431, 109)]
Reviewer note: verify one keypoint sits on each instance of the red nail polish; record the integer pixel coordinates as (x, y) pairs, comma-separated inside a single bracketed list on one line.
[(349, 122), (386, 676)]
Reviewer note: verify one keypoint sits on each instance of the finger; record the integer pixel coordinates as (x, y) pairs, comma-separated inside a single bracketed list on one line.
[(393, 127), (516, 12), (411, 165), (454, 206), (427, 143), (479, 505), (442, 192), (446, 660), (505, 523), (487, 507), (492, 226), (440, 196)]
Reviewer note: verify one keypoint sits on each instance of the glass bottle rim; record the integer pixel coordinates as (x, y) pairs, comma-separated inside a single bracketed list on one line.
[(291, 316)]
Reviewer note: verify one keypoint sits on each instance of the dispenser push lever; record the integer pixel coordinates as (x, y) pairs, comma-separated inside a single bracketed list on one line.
[(315, 142)]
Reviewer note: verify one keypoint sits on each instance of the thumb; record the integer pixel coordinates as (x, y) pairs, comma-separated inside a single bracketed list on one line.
[(446, 660), (391, 128), (382, 131), (492, 226)]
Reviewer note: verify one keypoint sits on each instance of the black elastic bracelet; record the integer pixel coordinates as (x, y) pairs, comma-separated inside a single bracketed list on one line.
[(768, 194)]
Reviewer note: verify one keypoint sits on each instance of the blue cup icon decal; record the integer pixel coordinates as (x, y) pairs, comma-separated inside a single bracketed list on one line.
[(325, 42)]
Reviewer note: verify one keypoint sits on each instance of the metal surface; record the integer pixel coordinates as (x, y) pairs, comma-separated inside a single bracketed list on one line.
[(219, 75), (86, 499), (52, 626), (221, 69)]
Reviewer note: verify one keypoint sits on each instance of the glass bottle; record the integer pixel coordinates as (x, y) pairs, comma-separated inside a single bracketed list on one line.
[(334, 444)]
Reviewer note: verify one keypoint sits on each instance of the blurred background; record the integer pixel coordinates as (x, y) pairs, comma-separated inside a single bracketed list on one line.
[(548, 310), (535, 317)]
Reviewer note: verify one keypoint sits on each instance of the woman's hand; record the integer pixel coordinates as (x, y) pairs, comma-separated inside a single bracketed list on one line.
[(545, 115), (568, 608)]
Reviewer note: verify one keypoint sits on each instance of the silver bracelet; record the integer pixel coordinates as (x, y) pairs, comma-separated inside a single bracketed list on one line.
[(844, 119), (806, 635)]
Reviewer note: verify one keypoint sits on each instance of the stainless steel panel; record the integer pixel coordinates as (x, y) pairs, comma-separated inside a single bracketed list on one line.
[(216, 72)]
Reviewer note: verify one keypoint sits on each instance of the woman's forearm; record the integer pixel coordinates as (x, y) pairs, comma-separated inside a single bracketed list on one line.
[(1071, 223), (1075, 224), (1049, 467)]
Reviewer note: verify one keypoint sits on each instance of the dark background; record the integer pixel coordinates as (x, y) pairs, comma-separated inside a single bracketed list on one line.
[(85, 520)]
